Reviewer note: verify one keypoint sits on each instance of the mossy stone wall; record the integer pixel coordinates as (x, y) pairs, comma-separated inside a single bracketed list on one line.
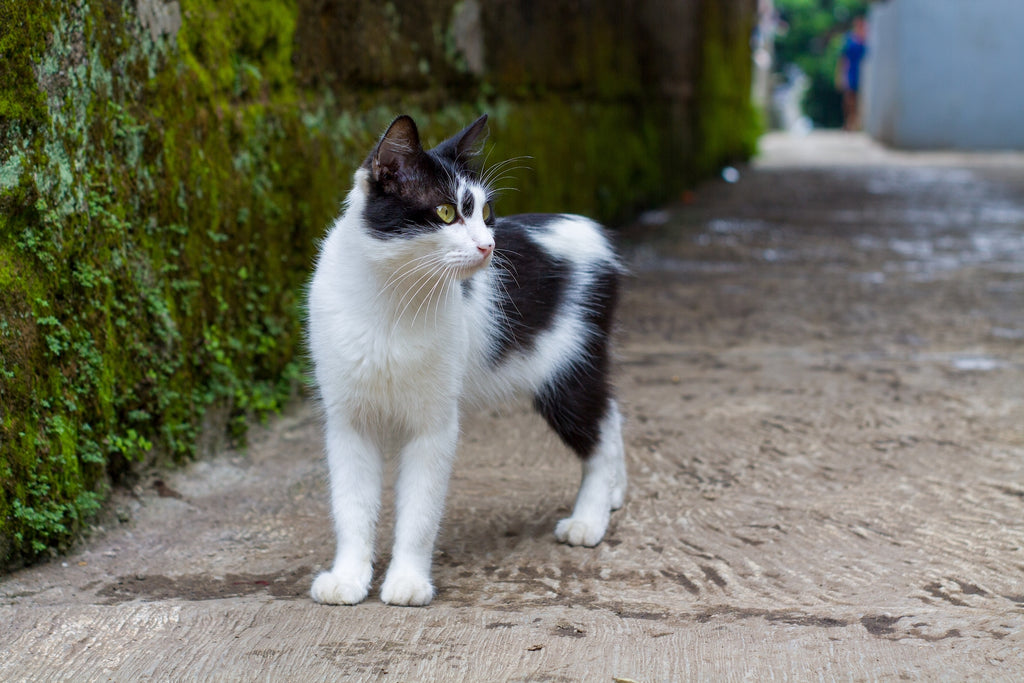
[(166, 168)]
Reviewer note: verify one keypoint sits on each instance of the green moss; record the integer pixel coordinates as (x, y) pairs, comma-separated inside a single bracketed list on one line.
[(24, 27), (727, 125), (238, 48), (607, 160)]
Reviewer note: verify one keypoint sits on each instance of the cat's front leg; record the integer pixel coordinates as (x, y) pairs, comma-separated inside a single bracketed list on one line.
[(355, 468), (420, 490)]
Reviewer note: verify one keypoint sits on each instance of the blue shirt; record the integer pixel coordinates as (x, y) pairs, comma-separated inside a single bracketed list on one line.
[(853, 51)]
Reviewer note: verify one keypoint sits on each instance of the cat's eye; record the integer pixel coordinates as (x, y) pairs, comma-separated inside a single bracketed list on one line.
[(487, 211), (445, 212)]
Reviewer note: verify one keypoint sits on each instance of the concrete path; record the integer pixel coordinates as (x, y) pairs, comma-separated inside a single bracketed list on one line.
[(822, 370)]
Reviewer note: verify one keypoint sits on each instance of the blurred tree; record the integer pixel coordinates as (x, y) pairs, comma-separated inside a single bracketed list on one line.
[(811, 36)]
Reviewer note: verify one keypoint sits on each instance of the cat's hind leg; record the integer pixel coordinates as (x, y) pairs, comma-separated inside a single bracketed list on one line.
[(587, 419), (619, 478), (602, 488), (355, 478)]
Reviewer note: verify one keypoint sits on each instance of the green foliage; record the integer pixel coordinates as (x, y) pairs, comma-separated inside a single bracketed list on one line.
[(813, 42)]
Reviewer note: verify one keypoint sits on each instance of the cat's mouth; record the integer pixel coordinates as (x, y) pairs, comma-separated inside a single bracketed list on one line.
[(472, 265)]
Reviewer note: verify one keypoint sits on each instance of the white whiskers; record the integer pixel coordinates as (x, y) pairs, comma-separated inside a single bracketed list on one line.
[(500, 172)]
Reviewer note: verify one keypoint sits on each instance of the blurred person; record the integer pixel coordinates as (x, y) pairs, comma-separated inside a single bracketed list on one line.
[(848, 71)]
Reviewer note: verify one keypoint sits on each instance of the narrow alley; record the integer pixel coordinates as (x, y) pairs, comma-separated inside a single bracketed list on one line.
[(821, 367)]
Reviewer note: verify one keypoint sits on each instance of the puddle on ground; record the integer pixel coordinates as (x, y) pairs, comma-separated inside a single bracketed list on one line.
[(872, 278), (977, 363), (1007, 333), (646, 259), (733, 226)]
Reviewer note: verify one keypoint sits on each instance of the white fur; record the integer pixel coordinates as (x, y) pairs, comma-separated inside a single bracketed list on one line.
[(602, 489), (396, 348), (575, 239)]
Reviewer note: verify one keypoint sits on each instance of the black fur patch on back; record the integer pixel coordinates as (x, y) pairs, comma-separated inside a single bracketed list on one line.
[(575, 402), (534, 283)]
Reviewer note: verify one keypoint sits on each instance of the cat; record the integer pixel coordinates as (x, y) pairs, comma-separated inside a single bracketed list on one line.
[(423, 301)]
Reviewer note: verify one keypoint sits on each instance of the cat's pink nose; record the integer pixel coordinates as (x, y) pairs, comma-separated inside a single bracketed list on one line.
[(485, 249)]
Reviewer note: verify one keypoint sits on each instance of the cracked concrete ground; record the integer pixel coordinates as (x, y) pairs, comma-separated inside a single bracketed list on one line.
[(822, 372)]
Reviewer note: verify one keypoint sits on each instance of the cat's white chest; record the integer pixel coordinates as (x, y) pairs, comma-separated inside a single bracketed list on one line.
[(394, 364), (387, 371)]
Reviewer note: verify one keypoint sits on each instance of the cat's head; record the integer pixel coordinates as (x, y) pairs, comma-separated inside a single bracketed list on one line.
[(428, 203)]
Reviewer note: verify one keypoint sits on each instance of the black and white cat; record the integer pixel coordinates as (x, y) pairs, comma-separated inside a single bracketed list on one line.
[(422, 302)]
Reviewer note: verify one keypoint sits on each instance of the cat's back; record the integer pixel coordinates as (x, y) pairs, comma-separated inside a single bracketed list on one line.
[(555, 281), (547, 239)]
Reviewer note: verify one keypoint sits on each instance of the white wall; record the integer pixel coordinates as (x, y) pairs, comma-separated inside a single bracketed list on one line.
[(946, 74)]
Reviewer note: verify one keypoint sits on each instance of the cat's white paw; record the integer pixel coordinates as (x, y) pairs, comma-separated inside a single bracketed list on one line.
[(580, 531), (406, 588), (340, 588)]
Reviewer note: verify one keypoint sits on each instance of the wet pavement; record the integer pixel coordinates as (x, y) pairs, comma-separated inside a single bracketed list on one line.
[(822, 371)]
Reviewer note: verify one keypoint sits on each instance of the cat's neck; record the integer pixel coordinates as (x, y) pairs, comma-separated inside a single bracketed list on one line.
[(415, 300), (375, 276)]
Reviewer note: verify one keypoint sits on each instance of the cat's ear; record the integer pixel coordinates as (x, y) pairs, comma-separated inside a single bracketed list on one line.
[(464, 144), (397, 150)]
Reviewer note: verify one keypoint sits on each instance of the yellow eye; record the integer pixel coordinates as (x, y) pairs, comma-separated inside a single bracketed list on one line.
[(446, 212), (487, 211)]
